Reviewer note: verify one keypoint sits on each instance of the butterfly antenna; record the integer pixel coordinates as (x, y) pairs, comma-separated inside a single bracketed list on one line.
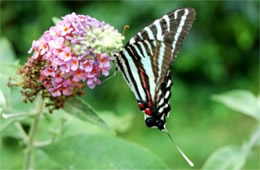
[(179, 149), (108, 78), (125, 27)]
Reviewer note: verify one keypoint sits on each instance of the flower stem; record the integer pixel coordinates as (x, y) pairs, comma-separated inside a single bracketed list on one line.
[(16, 115), (28, 159), (22, 132), (2, 127)]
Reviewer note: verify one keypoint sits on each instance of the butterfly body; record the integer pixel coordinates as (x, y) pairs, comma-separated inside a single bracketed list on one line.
[(145, 63)]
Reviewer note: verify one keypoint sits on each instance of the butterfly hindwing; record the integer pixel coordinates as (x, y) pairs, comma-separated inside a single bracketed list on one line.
[(145, 66), (163, 96)]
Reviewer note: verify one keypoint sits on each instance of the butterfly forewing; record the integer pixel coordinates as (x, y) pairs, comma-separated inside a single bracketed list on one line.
[(170, 28)]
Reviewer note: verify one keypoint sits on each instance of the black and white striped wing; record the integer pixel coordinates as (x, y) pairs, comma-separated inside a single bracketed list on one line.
[(170, 28), (146, 59), (142, 64)]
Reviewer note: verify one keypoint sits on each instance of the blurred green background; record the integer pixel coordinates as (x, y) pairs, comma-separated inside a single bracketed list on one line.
[(220, 53)]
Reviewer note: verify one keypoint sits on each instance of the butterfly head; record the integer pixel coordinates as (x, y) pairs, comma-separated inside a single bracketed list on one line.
[(151, 116)]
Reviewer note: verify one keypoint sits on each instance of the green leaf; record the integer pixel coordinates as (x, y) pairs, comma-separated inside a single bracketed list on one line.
[(84, 112), (97, 151), (11, 156), (254, 140), (14, 102), (242, 101), (228, 157), (232, 156), (3, 102), (118, 123), (42, 161), (55, 20), (9, 70), (6, 53)]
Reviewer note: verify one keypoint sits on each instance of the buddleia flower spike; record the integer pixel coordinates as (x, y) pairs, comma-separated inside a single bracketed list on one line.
[(69, 56)]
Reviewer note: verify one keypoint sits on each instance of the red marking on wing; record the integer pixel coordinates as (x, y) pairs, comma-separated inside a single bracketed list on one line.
[(143, 79), (141, 106), (148, 111), (146, 88)]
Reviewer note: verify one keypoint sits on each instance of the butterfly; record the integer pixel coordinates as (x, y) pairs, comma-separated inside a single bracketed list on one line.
[(145, 63)]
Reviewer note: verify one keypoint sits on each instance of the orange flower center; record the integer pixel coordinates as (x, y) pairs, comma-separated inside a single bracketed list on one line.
[(67, 54), (44, 46), (87, 64), (58, 75), (103, 60), (78, 72), (47, 84)]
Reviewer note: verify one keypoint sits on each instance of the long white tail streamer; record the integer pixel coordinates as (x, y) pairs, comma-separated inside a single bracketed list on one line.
[(180, 151)]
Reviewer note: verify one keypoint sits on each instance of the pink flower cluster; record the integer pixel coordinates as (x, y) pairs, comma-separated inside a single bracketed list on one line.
[(71, 62)]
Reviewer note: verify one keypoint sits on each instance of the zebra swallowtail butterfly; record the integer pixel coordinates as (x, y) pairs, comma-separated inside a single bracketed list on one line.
[(145, 64)]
